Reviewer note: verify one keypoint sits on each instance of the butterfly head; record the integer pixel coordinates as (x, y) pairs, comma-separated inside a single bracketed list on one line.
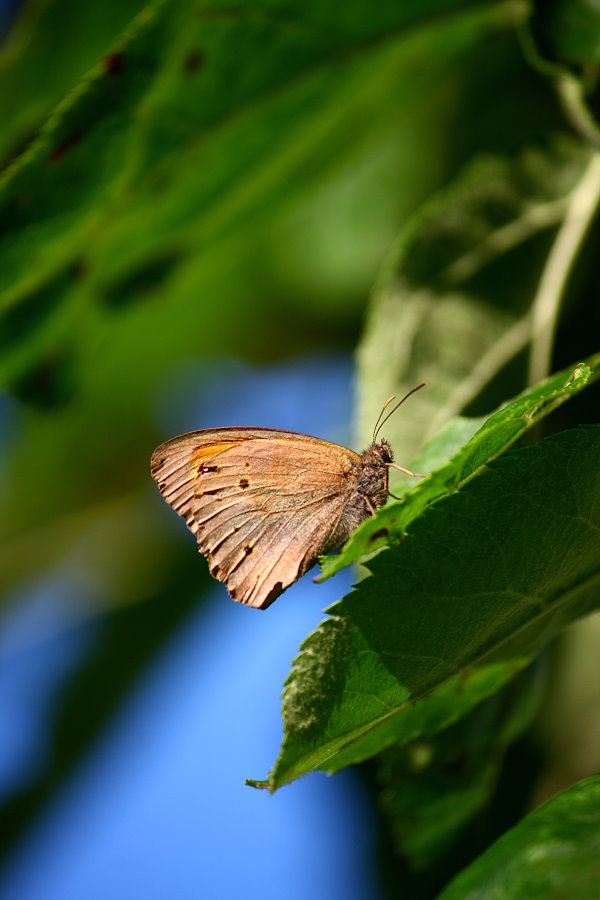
[(382, 452), (381, 455)]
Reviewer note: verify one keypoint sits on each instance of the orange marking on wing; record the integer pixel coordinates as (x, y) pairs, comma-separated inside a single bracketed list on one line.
[(209, 450), (203, 455)]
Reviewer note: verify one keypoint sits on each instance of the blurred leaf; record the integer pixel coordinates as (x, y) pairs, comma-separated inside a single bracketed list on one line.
[(562, 42), (457, 302), (553, 853), (567, 727), (155, 108), (497, 433), (431, 790), (143, 224), (568, 30), (481, 582), (51, 45)]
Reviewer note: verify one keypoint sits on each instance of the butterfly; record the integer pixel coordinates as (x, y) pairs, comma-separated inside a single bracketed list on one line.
[(264, 504)]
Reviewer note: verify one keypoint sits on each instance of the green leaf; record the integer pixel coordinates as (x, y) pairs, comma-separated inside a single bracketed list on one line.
[(148, 158), (481, 582), (496, 434), (431, 790), (568, 31), (48, 50), (552, 854)]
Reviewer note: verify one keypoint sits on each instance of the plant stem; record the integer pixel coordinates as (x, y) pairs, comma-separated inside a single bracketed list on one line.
[(571, 235)]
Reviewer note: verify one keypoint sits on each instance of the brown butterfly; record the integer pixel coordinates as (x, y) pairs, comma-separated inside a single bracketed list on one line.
[(265, 504)]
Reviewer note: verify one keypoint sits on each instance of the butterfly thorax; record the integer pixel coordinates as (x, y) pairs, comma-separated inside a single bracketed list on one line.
[(373, 481), (367, 491)]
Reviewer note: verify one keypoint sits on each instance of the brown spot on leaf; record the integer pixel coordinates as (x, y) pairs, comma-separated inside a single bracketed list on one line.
[(456, 763), (382, 532), (193, 62), (59, 152), (113, 63)]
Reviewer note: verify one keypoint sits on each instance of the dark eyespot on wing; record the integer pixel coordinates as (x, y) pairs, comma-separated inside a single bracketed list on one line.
[(244, 483)]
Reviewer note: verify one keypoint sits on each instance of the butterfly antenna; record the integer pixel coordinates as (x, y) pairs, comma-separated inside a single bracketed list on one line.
[(380, 423), (385, 406)]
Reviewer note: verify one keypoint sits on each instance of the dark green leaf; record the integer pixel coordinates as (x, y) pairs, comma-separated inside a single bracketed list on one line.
[(432, 789), (551, 855), (568, 31), (52, 45)]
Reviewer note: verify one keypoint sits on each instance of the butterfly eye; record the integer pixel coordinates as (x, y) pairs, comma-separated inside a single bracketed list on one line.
[(383, 451)]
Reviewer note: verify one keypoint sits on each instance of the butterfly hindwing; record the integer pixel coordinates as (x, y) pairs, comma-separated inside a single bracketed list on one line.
[(262, 503)]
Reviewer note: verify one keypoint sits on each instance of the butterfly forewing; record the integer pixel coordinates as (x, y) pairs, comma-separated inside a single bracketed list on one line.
[(263, 504)]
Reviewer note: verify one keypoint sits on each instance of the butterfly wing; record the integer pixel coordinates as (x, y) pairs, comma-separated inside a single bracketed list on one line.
[(263, 504)]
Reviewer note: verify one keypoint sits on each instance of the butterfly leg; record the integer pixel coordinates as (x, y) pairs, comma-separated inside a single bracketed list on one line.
[(406, 471), (368, 504)]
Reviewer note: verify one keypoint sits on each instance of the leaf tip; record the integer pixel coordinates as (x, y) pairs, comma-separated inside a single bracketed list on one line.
[(261, 784)]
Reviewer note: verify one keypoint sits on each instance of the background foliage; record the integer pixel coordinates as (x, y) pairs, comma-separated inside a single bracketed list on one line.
[(186, 183)]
